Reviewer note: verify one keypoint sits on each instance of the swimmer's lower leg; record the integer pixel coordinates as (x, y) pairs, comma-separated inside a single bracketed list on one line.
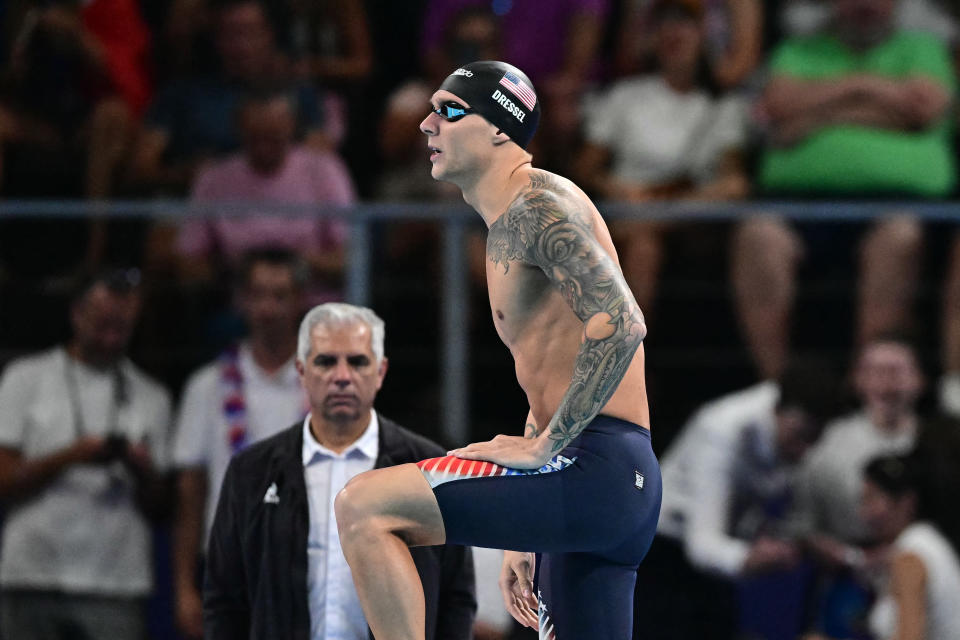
[(380, 513), (387, 582)]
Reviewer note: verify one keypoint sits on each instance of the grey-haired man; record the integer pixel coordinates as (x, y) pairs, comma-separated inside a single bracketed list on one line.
[(275, 567)]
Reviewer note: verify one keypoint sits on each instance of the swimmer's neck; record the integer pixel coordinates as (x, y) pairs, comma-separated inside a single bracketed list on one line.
[(495, 189)]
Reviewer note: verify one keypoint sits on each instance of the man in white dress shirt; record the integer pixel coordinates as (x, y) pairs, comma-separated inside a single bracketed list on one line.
[(275, 568), (251, 391), (728, 482)]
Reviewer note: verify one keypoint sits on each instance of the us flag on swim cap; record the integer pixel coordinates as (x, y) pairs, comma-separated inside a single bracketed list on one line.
[(519, 88)]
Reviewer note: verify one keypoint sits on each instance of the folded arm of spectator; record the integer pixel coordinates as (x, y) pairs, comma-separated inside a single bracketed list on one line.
[(797, 129), (796, 109)]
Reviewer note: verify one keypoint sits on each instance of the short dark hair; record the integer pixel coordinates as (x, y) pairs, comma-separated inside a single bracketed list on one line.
[(810, 385), (902, 338), (265, 95), (692, 9), (221, 5), (275, 256), (117, 280), (217, 7)]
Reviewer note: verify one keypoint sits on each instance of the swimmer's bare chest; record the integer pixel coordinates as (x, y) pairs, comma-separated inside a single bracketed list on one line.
[(538, 326)]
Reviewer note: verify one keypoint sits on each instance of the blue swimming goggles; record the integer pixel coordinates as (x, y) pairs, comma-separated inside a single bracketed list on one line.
[(452, 111)]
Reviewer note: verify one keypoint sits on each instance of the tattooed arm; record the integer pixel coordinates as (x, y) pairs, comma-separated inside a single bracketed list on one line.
[(554, 232), (531, 430)]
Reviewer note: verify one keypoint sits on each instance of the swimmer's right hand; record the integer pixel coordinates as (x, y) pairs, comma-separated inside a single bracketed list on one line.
[(516, 586)]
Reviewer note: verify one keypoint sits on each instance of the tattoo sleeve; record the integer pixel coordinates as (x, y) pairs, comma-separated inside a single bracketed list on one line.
[(554, 233), (531, 430)]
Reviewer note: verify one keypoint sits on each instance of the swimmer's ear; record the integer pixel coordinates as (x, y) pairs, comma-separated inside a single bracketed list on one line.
[(500, 138)]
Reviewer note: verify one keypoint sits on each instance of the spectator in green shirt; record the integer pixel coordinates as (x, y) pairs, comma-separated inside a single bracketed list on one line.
[(859, 110)]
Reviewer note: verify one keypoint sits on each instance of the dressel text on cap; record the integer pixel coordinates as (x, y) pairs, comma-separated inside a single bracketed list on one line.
[(508, 104)]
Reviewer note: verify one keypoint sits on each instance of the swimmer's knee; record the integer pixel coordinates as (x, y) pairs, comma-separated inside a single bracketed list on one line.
[(348, 505)]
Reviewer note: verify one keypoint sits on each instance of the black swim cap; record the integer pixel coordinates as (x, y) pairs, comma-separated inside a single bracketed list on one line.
[(501, 93)]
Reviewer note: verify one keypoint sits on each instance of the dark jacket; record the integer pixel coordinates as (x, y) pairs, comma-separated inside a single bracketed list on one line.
[(256, 579)]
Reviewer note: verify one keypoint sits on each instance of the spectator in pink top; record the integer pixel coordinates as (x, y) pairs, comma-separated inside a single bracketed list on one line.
[(270, 170)]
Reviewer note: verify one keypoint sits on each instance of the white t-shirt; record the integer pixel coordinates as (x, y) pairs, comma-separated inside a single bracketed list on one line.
[(721, 475), (273, 402), (942, 585), (82, 533), (657, 135), (832, 479)]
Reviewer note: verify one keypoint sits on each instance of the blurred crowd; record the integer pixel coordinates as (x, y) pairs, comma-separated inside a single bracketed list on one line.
[(789, 508)]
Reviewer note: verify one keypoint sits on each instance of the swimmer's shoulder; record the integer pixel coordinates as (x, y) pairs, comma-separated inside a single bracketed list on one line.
[(543, 189), (542, 201)]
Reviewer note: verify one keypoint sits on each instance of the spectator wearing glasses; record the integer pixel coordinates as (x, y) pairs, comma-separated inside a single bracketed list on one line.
[(83, 442)]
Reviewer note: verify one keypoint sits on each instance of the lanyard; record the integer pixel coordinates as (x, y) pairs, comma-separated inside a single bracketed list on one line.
[(120, 398), (234, 400)]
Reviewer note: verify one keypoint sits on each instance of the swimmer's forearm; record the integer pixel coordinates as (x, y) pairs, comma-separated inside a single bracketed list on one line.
[(597, 372)]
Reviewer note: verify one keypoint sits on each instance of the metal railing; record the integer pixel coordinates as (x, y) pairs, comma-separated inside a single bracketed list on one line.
[(455, 218)]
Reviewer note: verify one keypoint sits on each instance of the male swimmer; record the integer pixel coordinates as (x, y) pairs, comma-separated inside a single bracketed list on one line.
[(581, 488)]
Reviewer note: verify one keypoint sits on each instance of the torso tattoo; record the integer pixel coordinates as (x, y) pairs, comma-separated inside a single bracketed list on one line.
[(548, 231)]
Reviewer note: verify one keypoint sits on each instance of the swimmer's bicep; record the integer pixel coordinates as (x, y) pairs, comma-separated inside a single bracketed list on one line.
[(578, 266), (554, 232)]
